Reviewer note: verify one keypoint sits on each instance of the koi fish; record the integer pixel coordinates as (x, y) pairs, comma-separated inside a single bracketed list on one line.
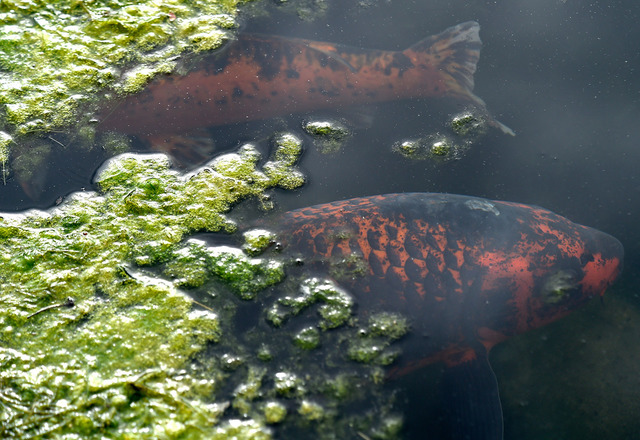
[(467, 272), (258, 77)]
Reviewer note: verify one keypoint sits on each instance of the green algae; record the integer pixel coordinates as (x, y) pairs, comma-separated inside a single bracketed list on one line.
[(329, 136), (307, 338), (469, 125), (437, 147), (60, 59), (462, 131), (195, 264), (335, 310), (257, 240), (374, 341), (132, 357), (115, 362), (5, 143), (287, 146), (274, 412)]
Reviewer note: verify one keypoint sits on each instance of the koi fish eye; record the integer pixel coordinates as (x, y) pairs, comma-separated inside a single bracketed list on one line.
[(559, 286)]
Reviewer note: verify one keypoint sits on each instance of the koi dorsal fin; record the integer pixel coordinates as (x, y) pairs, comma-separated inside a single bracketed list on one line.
[(456, 52), (331, 51)]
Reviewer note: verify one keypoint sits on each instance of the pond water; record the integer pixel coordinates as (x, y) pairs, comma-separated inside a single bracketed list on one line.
[(564, 76)]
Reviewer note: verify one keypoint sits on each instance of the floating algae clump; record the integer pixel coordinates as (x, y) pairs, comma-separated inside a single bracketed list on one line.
[(91, 344), (196, 263), (335, 310), (329, 136), (433, 147)]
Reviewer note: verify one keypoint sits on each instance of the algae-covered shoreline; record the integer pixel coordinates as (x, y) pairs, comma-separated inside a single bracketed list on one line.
[(100, 337)]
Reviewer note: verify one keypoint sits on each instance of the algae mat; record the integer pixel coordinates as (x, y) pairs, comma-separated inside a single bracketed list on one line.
[(102, 335)]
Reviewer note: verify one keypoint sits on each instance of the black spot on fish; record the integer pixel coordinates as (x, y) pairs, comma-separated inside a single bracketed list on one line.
[(413, 270), (321, 244), (222, 101), (330, 93), (274, 93), (400, 62), (237, 92), (266, 54), (376, 265), (373, 238), (292, 73)]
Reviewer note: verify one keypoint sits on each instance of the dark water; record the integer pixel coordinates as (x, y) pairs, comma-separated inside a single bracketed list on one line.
[(564, 76)]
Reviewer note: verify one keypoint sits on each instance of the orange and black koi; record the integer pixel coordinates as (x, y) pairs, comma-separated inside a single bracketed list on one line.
[(467, 272), (258, 77)]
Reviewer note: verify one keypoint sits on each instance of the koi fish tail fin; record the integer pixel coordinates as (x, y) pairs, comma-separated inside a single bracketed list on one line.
[(455, 53)]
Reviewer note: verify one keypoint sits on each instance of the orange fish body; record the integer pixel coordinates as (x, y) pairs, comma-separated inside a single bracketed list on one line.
[(258, 77), (467, 272)]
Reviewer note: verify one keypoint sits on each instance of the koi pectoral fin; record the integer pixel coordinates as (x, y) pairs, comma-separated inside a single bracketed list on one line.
[(471, 400), (186, 152)]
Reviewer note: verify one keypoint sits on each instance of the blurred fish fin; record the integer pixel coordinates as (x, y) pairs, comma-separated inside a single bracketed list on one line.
[(456, 52), (186, 152), (330, 51), (361, 116), (470, 398)]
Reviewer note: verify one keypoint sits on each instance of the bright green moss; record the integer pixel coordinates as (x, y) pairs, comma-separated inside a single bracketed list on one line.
[(115, 362), (374, 341), (311, 411), (257, 240), (307, 338), (335, 309), (329, 136), (468, 125), (387, 325), (274, 412), (61, 58), (434, 147)]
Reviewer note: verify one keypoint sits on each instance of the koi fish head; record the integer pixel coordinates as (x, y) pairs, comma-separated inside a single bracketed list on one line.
[(567, 264), (601, 263)]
